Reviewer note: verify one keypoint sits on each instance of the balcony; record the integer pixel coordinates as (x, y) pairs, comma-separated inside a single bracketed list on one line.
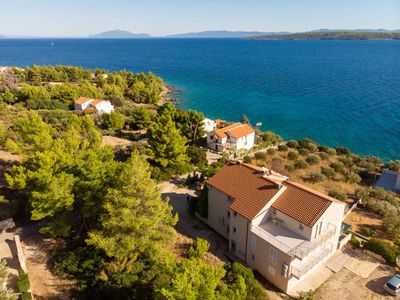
[(290, 242), (313, 260)]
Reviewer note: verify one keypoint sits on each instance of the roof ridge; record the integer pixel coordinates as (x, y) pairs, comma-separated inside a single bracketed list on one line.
[(256, 168)]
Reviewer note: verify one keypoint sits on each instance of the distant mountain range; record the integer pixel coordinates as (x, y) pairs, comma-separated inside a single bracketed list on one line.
[(118, 34), (334, 35), (222, 34), (314, 34)]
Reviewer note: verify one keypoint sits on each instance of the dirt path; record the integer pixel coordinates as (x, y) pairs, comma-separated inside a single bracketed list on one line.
[(44, 283), (188, 225), (347, 285)]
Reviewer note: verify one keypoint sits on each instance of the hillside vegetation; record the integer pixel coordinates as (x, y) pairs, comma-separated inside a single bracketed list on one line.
[(104, 203), (332, 35)]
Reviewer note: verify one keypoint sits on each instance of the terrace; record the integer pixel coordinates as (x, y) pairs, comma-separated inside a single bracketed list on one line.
[(290, 242)]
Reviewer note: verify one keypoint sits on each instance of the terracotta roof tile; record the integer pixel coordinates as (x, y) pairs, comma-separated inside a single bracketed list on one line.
[(236, 130), (82, 100), (240, 131), (302, 203), (249, 190), (95, 102)]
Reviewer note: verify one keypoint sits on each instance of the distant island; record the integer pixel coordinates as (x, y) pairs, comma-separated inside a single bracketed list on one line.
[(118, 34), (223, 34), (333, 35)]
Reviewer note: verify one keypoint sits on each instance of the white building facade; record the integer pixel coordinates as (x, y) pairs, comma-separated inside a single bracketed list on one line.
[(232, 138), (101, 106), (279, 228)]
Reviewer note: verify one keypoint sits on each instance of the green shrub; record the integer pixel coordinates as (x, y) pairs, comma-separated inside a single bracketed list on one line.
[(315, 177), (203, 203), (313, 159), (312, 147), (26, 296), (323, 148), (323, 156), (337, 195), (271, 151), (393, 165), (304, 151), (353, 178), (331, 151), (292, 144), (260, 155), (292, 155), (270, 138), (384, 248), (276, 160), (283, 147), (337, 166), (247, 159), (199, 248), (237, 273), (23, 281), (368, 232), (301, 164), (354, 241), (346, 160), (11, 146), (342, 150), (289, 168), (328, 172), (197, 156)]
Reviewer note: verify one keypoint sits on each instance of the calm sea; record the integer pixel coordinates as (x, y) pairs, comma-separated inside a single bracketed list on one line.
[(335, 92)]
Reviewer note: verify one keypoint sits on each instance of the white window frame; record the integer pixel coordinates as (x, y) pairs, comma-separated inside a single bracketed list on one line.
[(273, 255)]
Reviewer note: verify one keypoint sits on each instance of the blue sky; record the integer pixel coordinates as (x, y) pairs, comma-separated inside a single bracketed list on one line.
[(160, 17)]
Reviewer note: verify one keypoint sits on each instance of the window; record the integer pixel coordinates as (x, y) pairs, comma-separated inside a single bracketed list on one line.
[(228, 213), (301, 227), (284, 270), (272, 256), (235, 213), (230, 199), (253, 242), (253, 257), (234, 229)]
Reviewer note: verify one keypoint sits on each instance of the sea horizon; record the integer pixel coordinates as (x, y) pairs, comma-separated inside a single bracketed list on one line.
[(338, 93)]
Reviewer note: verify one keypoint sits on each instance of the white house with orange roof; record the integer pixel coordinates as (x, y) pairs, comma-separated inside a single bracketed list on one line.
[(282, 229), (234, 137), (209, 125), (101, 106)]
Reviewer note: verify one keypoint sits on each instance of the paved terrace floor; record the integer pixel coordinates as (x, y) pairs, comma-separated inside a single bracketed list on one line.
[(288, 238)]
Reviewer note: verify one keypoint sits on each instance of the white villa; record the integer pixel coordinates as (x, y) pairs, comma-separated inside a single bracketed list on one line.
[(101, 106), (234, 137), (209, 125), (282, 229)]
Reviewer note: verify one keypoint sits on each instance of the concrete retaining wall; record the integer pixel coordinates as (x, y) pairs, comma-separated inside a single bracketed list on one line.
[(6, 224)]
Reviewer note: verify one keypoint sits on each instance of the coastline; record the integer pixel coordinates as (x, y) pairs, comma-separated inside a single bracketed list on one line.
[(168, 93)]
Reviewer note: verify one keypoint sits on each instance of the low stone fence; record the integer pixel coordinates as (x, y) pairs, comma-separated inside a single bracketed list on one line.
[(20, 254)]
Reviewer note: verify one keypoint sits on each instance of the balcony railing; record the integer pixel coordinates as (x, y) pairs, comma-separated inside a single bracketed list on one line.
[(311, 262), (307, 247), (302, 250)]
